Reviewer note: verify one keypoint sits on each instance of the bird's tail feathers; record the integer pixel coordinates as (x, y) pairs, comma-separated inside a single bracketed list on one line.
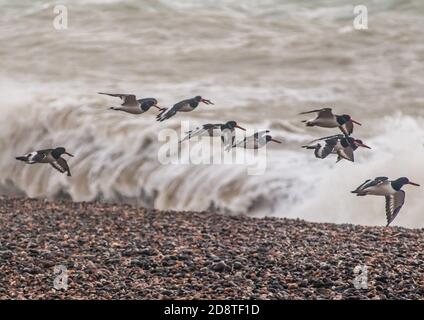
[(359, 193)]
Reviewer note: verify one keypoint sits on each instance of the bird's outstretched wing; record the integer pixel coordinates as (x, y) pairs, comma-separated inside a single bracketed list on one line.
[(378, 180), (322, 113), (327, 149), (322, 152), (206, 129), (347, 128), (335, 136), (369, 183), (166, 113), (358, 189), (346, 153), (239, 143), (393, 205), (61, 165), (41, 155), (128, 100), (249, 141)]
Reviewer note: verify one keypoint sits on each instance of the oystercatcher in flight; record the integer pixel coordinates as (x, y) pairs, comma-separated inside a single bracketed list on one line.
[(52, 156), (182, 106), (225, 130), (339, 144), (391, 189), (255, 141), (133, 105), (325, 118)]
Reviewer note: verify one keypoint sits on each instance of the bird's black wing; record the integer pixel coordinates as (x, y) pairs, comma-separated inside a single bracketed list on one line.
[(393, 205), (361, 186), (337, 136), (370, 183), (324, 112), (326, 149), (378, 180), (167, 113), (375, 182), (346, 153), (41, 155), (61, 165), (211, 126), (127, 99)]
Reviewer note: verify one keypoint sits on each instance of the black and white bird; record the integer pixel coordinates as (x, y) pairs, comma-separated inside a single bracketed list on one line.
[(325, 118), (225, 130), (133, 105), (182, 106), (391, 189), (52, 156), (255, 141), (343, 146)]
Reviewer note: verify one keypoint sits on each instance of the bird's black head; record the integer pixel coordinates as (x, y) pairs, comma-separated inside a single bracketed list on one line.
[(57, 152), (400, 182), (268, 138), (147, 103), (199, 99), (343, 119), (152, 101), (230, 124), (351, 140)]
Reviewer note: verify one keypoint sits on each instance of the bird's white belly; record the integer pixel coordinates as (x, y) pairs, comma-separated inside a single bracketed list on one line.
[(132, 109)]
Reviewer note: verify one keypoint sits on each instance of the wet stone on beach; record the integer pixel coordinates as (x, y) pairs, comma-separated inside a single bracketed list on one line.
[(123, 252)]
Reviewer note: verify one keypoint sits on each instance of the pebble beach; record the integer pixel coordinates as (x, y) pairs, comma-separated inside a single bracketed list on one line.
[(115, 251)]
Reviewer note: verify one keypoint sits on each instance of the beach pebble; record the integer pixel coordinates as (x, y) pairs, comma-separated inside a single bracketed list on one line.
[(123, 252)]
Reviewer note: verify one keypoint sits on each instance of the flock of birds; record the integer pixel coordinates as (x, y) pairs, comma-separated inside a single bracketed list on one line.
[(343, 145)]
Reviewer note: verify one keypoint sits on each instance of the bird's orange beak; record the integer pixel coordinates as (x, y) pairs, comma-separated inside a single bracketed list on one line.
[(358, 123), (413, 183), (237, 126), (156, 106), (364, 146), (206, 101)]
